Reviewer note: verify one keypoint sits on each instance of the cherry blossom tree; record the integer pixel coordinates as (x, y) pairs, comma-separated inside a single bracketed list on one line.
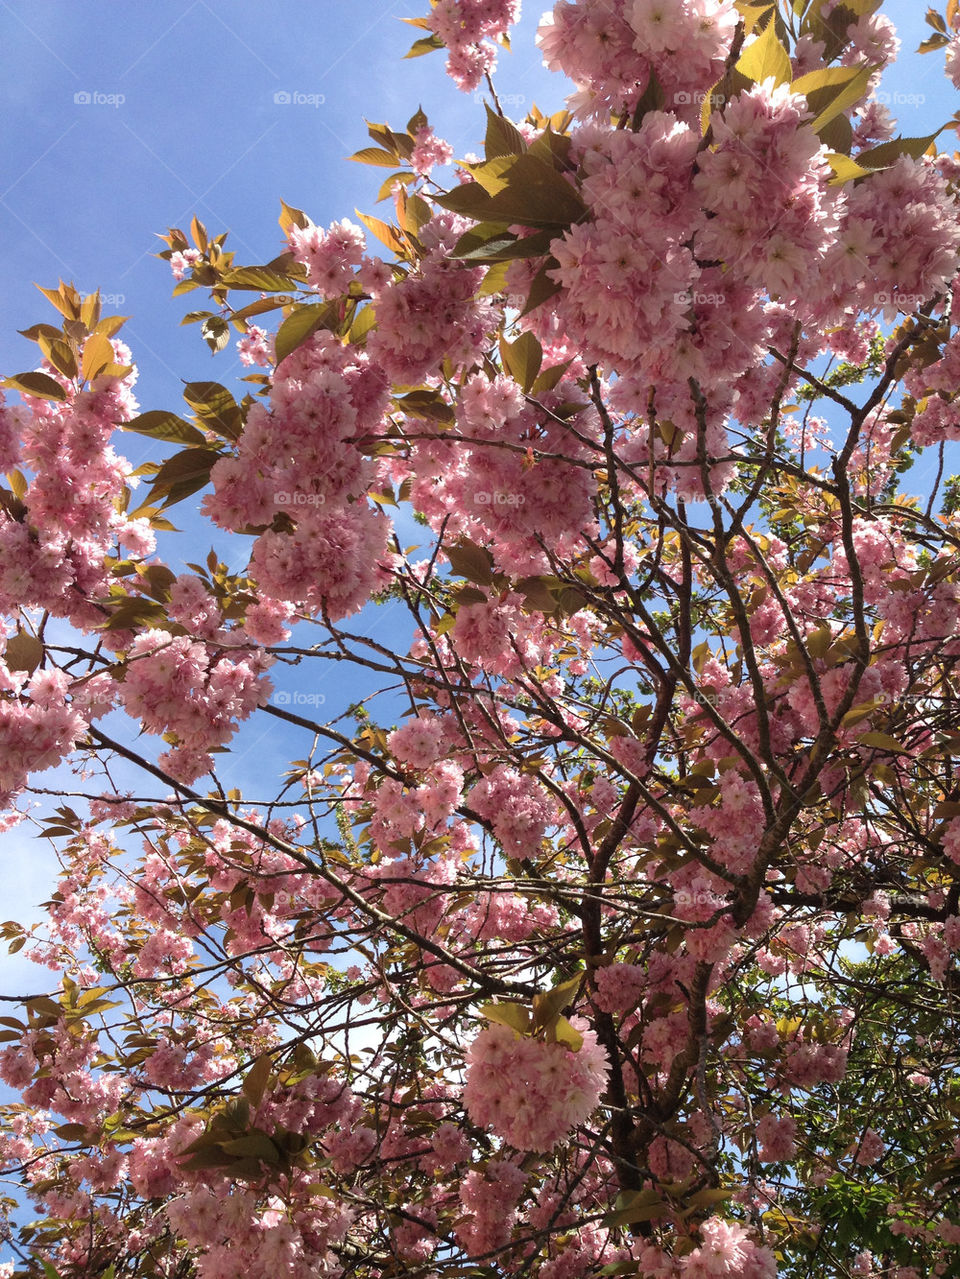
[(613, 930)]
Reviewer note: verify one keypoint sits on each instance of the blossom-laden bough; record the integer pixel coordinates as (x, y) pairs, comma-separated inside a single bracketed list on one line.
[(613, 928)]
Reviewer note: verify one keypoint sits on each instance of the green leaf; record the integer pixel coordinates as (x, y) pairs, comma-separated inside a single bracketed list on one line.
[(845, 169), (491, 242), (40, 385), (158, 424), (883, 741), (564, 1033), (766, 57), (503, 138), (548, 1005), (535, 194), (216, 333), (543, 287), (844, 97), (183, 474), (301, 323), (259, 278), (637, 1205), (373, 155), (364, 320), (888, 153), (256, 1079), (425, 45), (428, 405)]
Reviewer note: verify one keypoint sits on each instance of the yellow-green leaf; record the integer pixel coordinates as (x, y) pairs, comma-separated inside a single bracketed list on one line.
[(845, 96), (845, 169), (766, 57), (883, 741), (508, 1014)]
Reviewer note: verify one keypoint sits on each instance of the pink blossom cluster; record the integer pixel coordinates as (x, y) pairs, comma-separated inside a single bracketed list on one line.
[(317, 546), (468, 29), (531, 1093), (489, 1197), (610, 51), (432, 313), (727, 1250), (516, 806), (172, 686)]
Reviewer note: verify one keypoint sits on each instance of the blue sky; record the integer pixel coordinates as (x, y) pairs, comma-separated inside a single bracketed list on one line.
[(118, 121)]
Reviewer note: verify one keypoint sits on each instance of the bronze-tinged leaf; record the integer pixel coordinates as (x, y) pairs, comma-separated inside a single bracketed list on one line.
[(522, 359), (374, 155), (542, 288), (24, 652), (134, 612), (254, 1145), (256, 1079), (183, 474), (215, 407), (39, 385), (471, 561), (97, 354), (291, 217)]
